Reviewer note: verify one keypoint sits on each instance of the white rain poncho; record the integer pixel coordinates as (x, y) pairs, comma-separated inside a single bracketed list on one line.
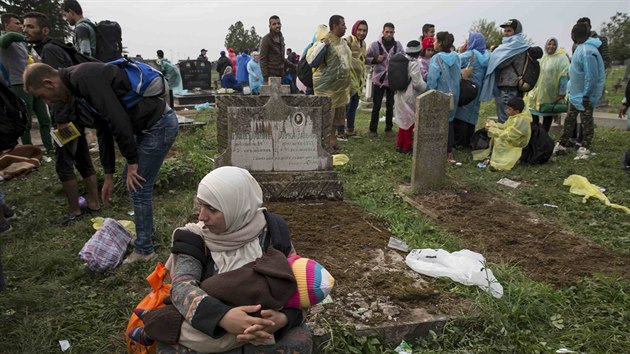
[(405, 101)]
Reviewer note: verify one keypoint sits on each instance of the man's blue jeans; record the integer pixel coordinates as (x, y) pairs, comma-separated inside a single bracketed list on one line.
[(501, 102), (153, 144), (351, 112)]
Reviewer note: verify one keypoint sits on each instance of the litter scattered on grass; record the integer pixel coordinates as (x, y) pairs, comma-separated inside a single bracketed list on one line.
[(550, 205), (581, 186), (508, 182), (465, 267), (398, 244), (340, 159), (403, 348), (64, 344)]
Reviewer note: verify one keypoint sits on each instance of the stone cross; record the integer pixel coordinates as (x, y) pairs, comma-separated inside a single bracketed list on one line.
[(430, 140), (275, 87)]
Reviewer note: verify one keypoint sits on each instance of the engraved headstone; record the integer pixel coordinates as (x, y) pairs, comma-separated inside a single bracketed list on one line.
[(281, 139), (430, 140), (196, 74)]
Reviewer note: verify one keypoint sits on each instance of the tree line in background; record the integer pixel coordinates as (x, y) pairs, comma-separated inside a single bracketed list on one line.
[(240, 39), (618, 33), (52, 8)]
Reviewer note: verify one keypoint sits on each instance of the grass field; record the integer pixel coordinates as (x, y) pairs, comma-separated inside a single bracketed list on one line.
[(51, 296)]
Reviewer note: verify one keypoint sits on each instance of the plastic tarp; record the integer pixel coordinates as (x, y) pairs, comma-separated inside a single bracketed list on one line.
[(465, 267)]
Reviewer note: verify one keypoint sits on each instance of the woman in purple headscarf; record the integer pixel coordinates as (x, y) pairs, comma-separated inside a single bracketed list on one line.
[(475, 57)]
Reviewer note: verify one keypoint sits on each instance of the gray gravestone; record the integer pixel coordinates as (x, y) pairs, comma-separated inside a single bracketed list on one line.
[(281, 139), (430, 140)]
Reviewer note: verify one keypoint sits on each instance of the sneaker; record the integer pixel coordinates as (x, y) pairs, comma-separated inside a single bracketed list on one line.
[(350, 133), (9, 214), (137, 257), (582, 153), (5, 226), (559, 149), (341, 137)]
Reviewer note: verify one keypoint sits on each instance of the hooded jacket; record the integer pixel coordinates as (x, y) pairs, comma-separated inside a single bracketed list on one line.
[(470, 112), (357, 69), (405, 101), (241, 63), (586, 74), (379, 75), (552, 82), (499, 65), (446, 80)]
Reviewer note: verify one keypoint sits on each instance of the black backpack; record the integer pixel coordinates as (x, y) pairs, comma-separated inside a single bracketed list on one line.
[(108, 40), (13, 118), (480, 140), (305, 72), (75, 56), (528, 76), (398, 72), (540, 147)]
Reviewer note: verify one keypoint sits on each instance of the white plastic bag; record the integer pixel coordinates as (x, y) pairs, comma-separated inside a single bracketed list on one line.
[(465, 267)]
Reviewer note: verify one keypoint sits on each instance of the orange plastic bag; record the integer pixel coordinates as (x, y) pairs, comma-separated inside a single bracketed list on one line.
[(154, 300)]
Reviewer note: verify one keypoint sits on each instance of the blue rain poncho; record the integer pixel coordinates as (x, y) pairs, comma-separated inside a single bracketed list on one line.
[(552, 82), (510, 46), (447, 82), (586, 74), (255, 75), (477, 47)]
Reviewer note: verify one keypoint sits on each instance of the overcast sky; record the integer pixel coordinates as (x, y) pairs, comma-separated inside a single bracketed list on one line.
[(182, 28)]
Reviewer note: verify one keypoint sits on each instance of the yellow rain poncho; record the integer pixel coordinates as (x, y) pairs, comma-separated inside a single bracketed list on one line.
[(357, 67), (581, 186), (332, 77), (509, 139), (552, 82)]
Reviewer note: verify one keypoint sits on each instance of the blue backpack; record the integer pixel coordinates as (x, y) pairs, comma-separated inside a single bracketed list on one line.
[(145, 80)]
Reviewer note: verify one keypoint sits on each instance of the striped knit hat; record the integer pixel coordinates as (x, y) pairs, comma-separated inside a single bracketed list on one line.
[(313, 281)]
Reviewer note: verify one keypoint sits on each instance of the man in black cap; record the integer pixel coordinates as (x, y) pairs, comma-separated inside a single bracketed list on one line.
[(202, 55), (504, 67)]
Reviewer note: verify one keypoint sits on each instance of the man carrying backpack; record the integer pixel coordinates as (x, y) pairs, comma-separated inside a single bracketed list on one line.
[(14, 58), (378, 55), (144, 128), (84, 33), (504, 68), (76, 152)]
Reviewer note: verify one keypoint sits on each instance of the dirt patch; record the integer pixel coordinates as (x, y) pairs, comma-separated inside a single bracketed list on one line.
[(507, 232), (372, 282)]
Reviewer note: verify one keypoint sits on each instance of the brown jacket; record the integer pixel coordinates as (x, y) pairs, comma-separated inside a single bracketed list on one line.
[(272, 60)]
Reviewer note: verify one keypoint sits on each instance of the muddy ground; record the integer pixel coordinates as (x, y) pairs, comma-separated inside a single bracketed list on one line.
[(374, 285)]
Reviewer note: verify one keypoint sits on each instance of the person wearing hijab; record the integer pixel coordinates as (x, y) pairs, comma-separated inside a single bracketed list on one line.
[(233, 230), (426, 55), (476, 58), (444, 75), (356, 42), (228, 81), (551, 87), (405, 101), (232, 57), (255, 73)]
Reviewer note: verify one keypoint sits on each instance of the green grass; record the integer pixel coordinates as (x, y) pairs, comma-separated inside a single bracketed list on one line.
[(50, 296)]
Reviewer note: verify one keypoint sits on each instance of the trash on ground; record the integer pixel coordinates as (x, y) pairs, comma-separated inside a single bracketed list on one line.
[(64, 344), (205, 105), (508, 182), (465, 267), (403, 348), (340, 159), (550, 205), (398, 244), (581, 186)]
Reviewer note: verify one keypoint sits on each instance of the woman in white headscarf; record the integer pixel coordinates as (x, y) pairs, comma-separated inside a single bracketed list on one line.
[(233, 230), (551, 87)]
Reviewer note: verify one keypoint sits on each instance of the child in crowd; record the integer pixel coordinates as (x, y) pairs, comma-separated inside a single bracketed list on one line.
[(405, 100), (509, 138)]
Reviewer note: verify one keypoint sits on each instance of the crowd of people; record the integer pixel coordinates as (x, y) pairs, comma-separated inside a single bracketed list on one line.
[(233, 228)]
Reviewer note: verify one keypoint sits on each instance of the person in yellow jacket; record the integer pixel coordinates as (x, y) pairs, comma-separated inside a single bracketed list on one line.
[(356, 42), (509, 138), (333, 58)]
